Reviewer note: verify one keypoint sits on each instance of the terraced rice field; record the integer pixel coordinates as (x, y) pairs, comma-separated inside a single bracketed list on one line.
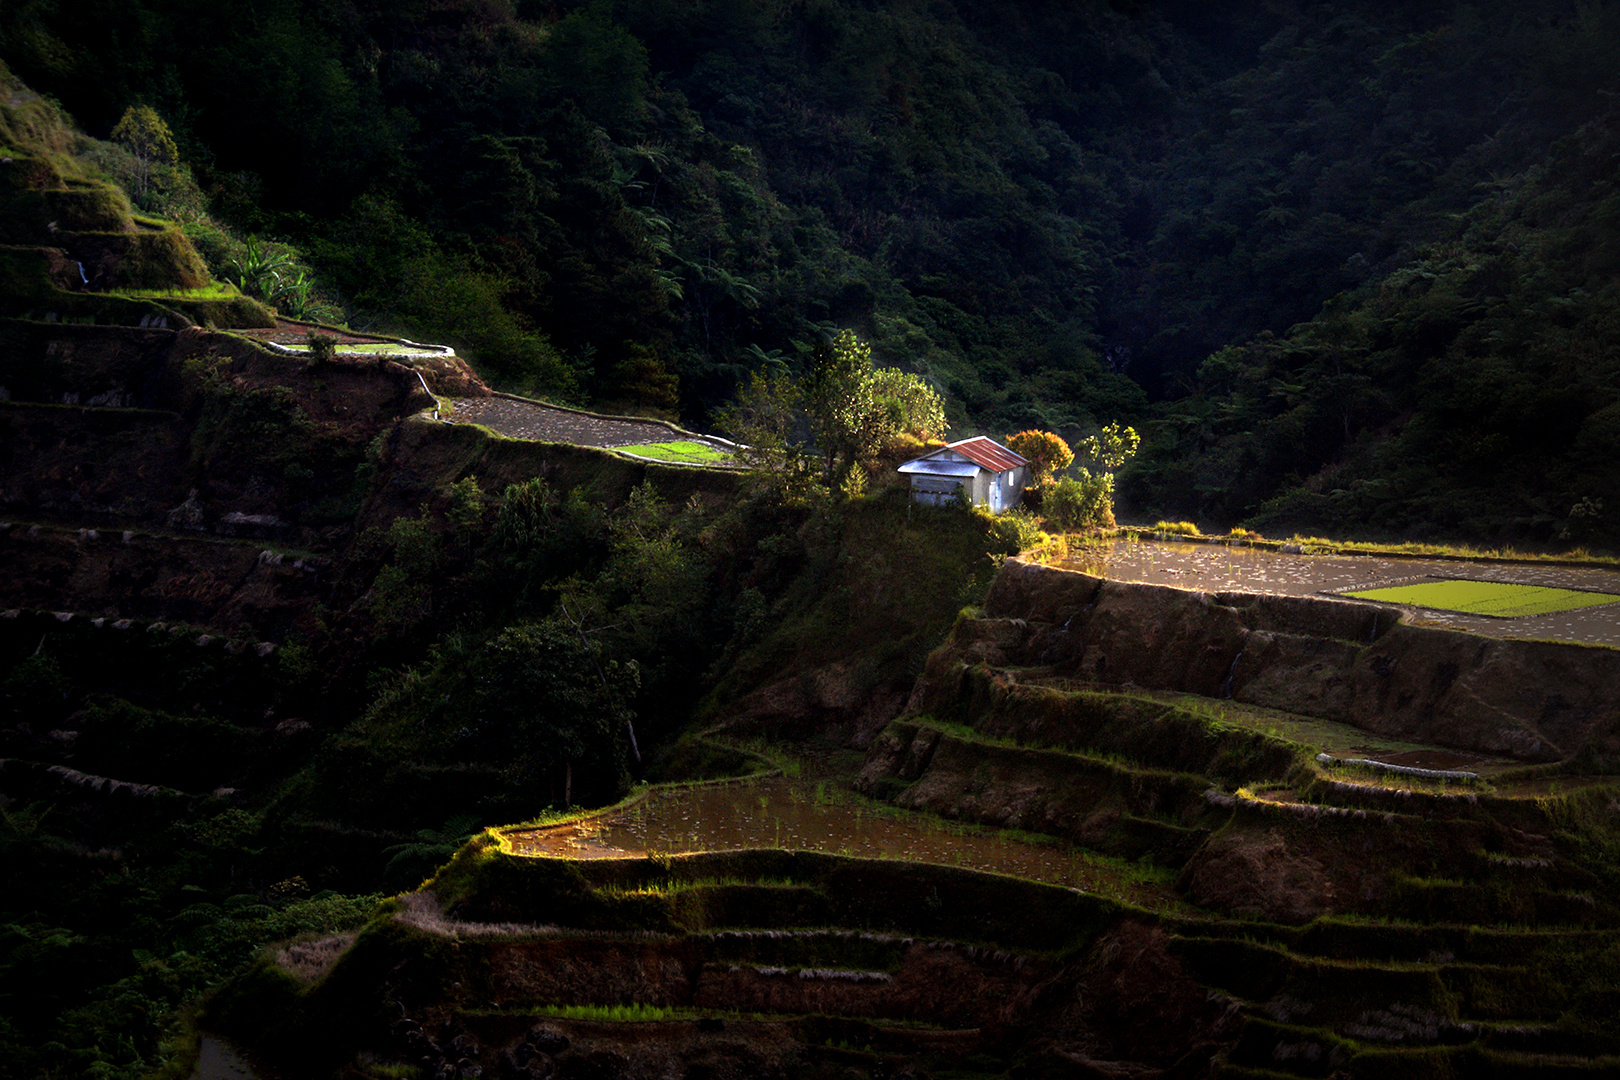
[(799, 816), (1237, 568), (519, 419)]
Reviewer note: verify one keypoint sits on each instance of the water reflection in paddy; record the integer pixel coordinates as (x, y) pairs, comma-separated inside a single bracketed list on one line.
[(1240, 568), (805, 816)]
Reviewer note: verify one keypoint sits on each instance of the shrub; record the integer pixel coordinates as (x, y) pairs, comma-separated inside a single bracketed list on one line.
[(1083, 502), (322, 348), (1176, 528), (1013, 532)]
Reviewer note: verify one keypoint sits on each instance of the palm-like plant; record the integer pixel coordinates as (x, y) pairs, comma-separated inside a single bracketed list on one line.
[(273, 276), (257, 270), (431, 846)]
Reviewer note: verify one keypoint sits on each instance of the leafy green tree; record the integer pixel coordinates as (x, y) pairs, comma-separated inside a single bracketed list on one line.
[(1046, 452), (767, 420), (143, 133), (913, 410), (549, 694), (816, 431), (1111, 447), (1086, 500)]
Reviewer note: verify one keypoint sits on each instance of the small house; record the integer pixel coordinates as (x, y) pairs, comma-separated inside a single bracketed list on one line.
[(986, 472)]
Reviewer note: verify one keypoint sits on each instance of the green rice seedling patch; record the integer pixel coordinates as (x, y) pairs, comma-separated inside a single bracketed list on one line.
[(682, 450), (1497, 599), (378, 347)]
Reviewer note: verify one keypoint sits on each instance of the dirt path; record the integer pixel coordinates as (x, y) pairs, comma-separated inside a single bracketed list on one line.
[(1242, 569)]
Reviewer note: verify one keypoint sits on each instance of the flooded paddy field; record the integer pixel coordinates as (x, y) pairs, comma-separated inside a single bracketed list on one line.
[(1240, 568), (802, 815), (1342, 740)]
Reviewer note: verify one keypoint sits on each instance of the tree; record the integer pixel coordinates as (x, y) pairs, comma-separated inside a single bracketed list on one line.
[(1046, 452), (143, 133), (815, 431), (1086, 500), (914, 409), (1111, 447), (845, 420), (767, 420), (548, 694)]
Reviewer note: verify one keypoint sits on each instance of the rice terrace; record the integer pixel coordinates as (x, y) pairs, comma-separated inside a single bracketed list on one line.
[(611, 540)]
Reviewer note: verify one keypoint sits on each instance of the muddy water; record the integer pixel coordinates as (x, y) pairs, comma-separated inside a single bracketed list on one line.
[(1218, 568), (805, 816), (216, 1060)]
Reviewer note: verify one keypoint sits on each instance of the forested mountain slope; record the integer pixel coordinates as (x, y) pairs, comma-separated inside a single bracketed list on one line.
[(1057, 213)]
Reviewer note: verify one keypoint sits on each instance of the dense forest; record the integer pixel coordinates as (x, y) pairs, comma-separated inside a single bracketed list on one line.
[(1349, 267)]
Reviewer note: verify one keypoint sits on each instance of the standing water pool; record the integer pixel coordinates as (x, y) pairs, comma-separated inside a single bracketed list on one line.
[(805, 816)]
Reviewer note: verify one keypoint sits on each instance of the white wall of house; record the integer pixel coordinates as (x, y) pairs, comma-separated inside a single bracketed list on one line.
[(936, 478), (997, 491)]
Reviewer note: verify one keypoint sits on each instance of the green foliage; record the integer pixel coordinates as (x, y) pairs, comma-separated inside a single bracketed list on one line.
[(322, 348), (1081, 502), (144, 134), (1014, 531), (415, 859), (815, 434), (466, 511), (543, 695), (765, 421), (257, 271), (402, 594), (1046, 452), (912, 409), (1086, 499), (1111, 447)]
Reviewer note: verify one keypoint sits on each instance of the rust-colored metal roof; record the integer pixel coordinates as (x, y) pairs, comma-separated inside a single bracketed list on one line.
[(988, 453)]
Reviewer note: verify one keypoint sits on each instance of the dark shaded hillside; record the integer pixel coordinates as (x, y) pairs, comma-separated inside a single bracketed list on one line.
[(1468, 392), (273, 636), (1056, 213)]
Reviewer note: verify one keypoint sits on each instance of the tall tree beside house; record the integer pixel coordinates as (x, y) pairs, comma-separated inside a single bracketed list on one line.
[(815, 433), (1045, 451)]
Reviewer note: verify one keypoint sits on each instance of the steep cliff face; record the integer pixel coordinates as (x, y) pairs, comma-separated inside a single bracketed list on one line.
[(1348, 662)]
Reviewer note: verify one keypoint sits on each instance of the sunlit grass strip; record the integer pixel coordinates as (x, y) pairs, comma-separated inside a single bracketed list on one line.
[(1497, 599), (695, 453), (219, 290), (634, 1013)]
